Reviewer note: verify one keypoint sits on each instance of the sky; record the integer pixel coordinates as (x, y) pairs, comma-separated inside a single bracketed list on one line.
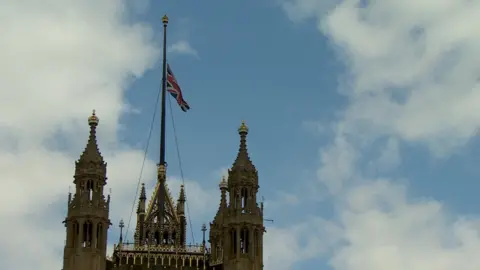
[(362, 116)]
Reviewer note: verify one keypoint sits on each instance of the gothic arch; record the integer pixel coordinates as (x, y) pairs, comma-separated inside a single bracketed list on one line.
[(167, 216), (87, 233), (244, 240), (244, 197)]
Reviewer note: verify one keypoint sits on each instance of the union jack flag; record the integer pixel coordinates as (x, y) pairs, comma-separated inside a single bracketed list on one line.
[(174, 89)]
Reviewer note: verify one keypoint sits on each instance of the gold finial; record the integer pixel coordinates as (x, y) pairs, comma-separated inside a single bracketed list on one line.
[(165, 19), (93, 119), (243, 128)]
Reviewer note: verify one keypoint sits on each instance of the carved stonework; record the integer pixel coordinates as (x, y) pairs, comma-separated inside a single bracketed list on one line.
[(87, 215), (236, 232)]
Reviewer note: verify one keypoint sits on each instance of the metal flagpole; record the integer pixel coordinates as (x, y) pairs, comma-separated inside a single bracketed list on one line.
[(162, 163)]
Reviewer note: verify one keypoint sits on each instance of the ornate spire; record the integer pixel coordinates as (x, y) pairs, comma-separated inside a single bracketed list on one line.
[(243, 160), (91, 152), (143, 194), (182, 197), (223, 189), (181, 201), (141, 200), (223, 199)]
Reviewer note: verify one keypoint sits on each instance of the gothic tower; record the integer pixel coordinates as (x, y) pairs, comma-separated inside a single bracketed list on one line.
[(87, 215), (236, 233)]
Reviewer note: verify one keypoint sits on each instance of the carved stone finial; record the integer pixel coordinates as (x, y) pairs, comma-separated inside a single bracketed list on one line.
[(223, 184), (243, 160), (91, 152)]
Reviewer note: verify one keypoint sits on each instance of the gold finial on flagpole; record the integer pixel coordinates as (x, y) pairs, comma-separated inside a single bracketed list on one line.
[(165, 19)]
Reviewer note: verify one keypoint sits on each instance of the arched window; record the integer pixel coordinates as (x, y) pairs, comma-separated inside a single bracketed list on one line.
[(165, 238), (147, 237), (244, 195), (244, 240), (87, 234), (157, 238), (90, 189), (174, 237), (74, 234)]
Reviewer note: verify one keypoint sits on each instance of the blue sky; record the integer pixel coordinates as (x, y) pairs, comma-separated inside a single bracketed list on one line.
[(362, 116), (247, 72), (282, 77), (255, 65)]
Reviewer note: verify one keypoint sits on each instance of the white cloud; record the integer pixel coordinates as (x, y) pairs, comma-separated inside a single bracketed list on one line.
[(61, 59), (416, 63), (388, 157), (182, 47), (339, 161), (285, 247), (412, 77), (382, 229), (220, 173)]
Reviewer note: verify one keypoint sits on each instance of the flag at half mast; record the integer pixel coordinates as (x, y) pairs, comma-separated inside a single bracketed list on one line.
[(174, 89)]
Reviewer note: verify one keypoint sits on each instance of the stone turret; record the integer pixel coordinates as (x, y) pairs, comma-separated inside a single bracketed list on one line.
[(236, 234), (87, 220)]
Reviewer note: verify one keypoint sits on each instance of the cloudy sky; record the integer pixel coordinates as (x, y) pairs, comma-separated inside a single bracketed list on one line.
[(363, 119)]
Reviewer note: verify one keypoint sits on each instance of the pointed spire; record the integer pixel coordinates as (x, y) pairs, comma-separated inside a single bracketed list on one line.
[(91, 152), (181, 196), (243, 160), (143, 194), (181, 201), (223, 198), (141, 200)]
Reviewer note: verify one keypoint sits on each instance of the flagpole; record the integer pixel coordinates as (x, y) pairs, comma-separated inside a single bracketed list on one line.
[(162, 163)]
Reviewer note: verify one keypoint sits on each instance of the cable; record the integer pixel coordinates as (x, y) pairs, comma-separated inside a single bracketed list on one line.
[(181, 170), (143, 163)]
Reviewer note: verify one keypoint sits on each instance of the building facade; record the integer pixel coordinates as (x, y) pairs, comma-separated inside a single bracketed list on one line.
[(235, 236)]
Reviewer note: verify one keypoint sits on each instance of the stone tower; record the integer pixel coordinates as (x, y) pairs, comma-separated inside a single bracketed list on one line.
[(236, 233), (87, 219)]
